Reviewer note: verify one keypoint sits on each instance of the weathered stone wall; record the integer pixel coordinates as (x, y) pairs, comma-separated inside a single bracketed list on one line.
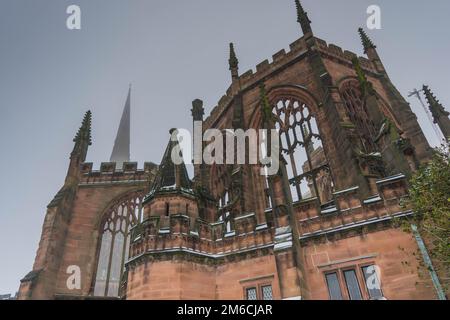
[(392, 250), (189, 280), (71, 231)]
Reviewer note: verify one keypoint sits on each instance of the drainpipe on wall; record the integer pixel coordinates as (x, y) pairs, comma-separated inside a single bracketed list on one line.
[(428, 263)]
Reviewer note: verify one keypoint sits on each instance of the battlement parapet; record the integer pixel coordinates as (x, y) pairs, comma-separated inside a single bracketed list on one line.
[(217, 110), (336, 52), (109, 173), (198, 236), (250, 78), (351, 210), (281, 59)]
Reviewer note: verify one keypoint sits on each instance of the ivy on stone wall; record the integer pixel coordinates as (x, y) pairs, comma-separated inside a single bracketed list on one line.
[(430, 200)]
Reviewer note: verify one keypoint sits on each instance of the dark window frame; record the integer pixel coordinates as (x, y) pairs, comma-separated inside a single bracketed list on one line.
[(251, 288), (262, 291), (337, 273)]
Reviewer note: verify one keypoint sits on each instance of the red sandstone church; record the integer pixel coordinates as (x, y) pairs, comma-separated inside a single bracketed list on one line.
[(318, 229)]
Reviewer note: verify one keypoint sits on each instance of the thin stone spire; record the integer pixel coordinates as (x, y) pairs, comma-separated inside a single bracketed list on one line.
[(440, 115), (233, 62), (121, 149), (83, 138), (436, 107), (302, 18), (78, 155), (366, 42)]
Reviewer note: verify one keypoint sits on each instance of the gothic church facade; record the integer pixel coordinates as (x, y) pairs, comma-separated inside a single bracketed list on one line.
[(318, 229)]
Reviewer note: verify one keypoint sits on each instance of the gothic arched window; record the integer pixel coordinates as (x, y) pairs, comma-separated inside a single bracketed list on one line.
[(115, 243), (357, 112), (301, 147)]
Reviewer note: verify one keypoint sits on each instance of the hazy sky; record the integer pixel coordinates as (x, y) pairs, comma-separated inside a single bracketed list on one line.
[(173, 52)]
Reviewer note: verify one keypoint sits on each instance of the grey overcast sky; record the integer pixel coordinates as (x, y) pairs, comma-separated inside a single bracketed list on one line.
[(172, 52)]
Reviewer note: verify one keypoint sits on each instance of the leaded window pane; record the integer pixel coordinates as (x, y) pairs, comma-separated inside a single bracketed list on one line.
[(267, 293), (251, 294)]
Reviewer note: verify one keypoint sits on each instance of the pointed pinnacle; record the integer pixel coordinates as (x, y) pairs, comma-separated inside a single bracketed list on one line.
[(84, 133), (429, 95), (233, 61), (302, 17), (197, 110), (366, 42), (435, 106)]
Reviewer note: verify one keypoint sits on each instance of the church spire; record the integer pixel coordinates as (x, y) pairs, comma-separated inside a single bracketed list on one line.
[(366, 41), (440, 115), (121, 149), (370, 49), (302, 18), (234, 63)]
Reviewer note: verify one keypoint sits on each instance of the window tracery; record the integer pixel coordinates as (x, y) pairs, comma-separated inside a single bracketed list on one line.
[(115, 242), (301, 146), (359, 116)]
